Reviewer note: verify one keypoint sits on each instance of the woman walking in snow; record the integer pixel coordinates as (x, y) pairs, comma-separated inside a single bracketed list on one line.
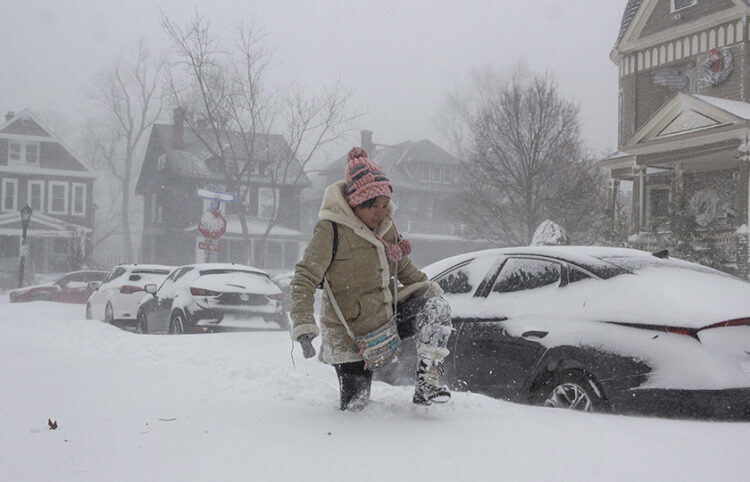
[(357, 249)]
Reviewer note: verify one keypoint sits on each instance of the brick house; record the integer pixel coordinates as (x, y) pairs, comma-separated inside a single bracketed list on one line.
[(37, 169), (176, 164), (423, 176), (684, 120)]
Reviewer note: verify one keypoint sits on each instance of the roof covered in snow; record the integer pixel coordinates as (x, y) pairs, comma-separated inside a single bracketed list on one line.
[(401, 162), (194, 160)]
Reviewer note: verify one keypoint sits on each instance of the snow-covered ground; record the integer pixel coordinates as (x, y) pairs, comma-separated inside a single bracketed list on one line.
[(233, 407)]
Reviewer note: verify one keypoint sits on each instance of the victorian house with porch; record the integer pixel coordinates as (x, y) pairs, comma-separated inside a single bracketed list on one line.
[(177, 164), (38, 170), (684, 122)]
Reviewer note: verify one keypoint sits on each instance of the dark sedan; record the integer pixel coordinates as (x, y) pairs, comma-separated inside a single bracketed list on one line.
[(70, 288), (595, 329)]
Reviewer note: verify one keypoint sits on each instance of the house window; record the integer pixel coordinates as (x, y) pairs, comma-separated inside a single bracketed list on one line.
[(10, 194), (273, 254), (447, 175), (266, 202), (58, 197), (291, 254), (658, 202), (156, 210), (79, 199), (680, 4), (20, 153), (35, 195)]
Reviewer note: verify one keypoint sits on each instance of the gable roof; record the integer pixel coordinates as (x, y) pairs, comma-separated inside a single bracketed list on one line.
[(395, 161), (193, 159), (686, 115), (637, 13), (630, 9), (26, 124)]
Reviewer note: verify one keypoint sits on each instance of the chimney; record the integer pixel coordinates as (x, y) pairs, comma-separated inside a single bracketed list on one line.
[(9, 115), (367, 144), (178, 128)]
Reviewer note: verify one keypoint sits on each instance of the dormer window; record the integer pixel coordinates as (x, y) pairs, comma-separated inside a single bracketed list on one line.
[(678, 5), (23, 153)]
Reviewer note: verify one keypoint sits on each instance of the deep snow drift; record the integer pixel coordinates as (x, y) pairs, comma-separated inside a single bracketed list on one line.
[(233, 407)]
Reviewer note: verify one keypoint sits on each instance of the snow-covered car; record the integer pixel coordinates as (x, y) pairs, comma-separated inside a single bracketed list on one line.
[(595, 329), (116, 299), (71, 288), (212, 297)]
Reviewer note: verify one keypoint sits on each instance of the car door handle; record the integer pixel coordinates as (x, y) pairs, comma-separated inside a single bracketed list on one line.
[(535, 334)]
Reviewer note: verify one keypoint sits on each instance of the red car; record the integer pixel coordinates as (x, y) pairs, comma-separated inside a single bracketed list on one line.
[(71, 288)]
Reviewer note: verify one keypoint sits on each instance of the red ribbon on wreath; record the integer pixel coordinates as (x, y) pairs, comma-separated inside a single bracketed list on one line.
[(715, 58)]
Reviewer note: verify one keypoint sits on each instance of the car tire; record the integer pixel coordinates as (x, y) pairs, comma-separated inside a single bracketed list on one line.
[(41, 297), (573, 390), (109, 316), (177, 324), (88, 311)]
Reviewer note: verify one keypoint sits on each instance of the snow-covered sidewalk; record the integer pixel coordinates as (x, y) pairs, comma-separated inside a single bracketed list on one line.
[(233, 407)]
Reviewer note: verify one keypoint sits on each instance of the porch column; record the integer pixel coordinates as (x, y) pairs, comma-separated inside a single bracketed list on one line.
[(743, 191), (641, 197), (614, 189)]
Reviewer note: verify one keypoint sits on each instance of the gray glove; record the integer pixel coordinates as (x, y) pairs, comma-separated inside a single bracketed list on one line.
[(308, 350)]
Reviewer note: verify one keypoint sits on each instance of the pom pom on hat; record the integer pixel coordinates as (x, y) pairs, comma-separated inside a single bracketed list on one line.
[(364, 179)]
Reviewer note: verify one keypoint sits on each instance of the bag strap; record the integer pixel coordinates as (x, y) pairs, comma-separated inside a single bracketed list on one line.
[(336, 308), (334, 248)]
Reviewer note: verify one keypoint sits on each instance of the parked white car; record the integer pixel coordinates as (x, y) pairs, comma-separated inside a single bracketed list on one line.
[(116, 299), (212, 297)]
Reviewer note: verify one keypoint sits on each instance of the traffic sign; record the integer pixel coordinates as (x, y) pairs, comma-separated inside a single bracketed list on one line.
[(209, 246), (212, 225)]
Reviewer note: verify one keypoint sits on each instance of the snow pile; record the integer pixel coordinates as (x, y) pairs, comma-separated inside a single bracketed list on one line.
[(228, 407), (549, 234)]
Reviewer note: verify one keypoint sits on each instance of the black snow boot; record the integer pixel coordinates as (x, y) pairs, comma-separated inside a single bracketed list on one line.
[(354, 385), (428, 389)]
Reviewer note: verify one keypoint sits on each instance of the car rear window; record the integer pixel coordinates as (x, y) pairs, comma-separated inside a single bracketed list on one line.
[(230, 271), (151, 271), (634, 264)]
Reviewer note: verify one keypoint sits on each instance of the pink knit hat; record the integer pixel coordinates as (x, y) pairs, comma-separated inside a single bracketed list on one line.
[(364, 179)]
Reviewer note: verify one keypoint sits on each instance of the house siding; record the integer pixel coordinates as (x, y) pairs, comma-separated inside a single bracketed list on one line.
[(662, 17)]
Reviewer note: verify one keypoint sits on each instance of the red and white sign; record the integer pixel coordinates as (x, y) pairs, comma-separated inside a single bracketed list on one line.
[(212, 225), (208, 246)]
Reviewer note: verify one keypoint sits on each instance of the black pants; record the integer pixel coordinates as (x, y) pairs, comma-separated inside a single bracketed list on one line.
[(354, 379)]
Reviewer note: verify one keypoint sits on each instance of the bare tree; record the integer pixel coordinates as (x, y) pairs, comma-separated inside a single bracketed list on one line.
[(250, 134), (130, 102), (527, 162)]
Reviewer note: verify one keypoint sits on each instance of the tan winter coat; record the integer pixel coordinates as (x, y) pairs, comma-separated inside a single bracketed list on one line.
[(359, 276)]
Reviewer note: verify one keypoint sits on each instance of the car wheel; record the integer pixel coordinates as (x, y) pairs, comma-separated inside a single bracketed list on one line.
[(88, 311), (177, 324), (41, 297), (141, 326), (573, 390), (109, 316)]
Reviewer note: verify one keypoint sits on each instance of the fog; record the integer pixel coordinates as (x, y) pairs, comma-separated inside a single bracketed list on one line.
[(400, 58)]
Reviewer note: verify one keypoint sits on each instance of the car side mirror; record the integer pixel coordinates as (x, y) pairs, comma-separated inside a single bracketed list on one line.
[(93, 285), (150, 289), (61, 283)]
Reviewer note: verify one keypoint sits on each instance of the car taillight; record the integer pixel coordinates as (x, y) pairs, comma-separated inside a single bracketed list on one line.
[(130, 289), (682, 331), (277, 297), (203, 292), (734, 322)]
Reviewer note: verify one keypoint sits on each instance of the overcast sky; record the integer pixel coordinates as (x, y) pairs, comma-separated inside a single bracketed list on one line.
[(400, 57)]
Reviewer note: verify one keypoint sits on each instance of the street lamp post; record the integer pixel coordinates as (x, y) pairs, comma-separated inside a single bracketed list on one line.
[(25, 218)]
